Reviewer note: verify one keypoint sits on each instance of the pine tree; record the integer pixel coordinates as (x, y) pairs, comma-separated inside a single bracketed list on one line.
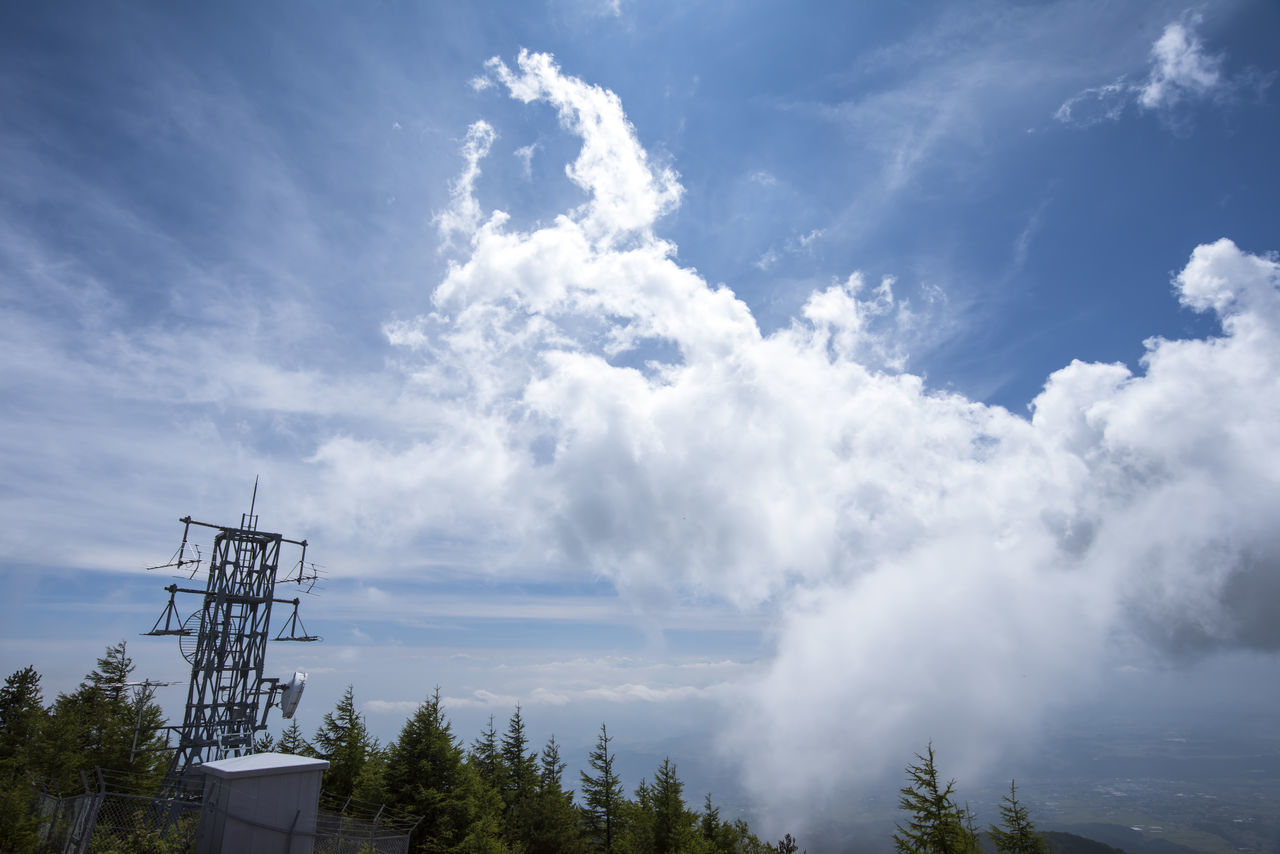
[(22, 714), (483, 826), (602, 793), (709, 823), (291, 741), (486, 757), (22, 719), (551, 826), (550, 777), (426, 776), (104, 724), (672, 823), (937, 825), (519, 771), (636, 831), (112, 672), (264, 743), (740, 839), (518, 783), (1016, 834), (722, 837), (344, 741), (370, 785), (786, 845)]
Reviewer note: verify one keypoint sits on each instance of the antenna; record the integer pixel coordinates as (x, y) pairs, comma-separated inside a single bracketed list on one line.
[(225, 641), (145, 685), (248, 521), (292, 694)]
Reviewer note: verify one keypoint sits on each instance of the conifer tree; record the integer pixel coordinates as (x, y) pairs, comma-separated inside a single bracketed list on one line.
[(104, 723), (22, 718), (291, 741), (343, 739), (1016, 834), (709, 823), (724, 837), (551, 827), (637, 821), (519, 771), (672, 823), (602, 793), (550, 777), (22, 714), (426, 776), (486, 757), (518, 783), (482, 823), (370, 785), (740, 839), (786, 845), (112, 673), (937, 825)]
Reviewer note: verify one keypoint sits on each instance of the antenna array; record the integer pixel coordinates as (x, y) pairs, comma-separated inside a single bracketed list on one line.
[(225, 640)]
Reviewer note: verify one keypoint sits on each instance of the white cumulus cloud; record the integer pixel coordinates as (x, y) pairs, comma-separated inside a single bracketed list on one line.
[(931, 566)]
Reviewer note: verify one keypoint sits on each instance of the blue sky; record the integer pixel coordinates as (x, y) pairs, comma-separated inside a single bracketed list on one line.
[(710, 369)]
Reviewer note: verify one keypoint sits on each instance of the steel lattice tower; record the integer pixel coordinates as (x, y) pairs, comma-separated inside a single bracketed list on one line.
[(228, 697)]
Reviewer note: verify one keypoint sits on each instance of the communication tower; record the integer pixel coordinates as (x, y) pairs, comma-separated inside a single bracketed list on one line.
[(225, 639)]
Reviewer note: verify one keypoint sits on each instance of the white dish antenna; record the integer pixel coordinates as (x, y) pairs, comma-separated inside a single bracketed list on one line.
[(292, 694)]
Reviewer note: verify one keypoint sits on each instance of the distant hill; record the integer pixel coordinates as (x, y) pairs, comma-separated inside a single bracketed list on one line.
[(1061, 842), (1124, 838), (881, 843)]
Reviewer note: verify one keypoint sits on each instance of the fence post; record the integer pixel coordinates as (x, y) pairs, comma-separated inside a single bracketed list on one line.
[(95, 804)]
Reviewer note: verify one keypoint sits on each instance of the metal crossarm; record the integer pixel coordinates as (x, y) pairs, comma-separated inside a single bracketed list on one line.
[(293, 629), (172, 621)]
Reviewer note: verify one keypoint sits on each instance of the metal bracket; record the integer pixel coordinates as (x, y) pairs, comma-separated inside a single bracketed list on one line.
[(171, 619)]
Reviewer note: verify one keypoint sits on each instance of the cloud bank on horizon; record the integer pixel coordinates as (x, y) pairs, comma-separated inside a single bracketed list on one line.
[(937, 566)]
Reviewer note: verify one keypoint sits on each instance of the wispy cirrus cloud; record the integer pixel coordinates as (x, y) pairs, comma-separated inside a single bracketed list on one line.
[(1180, 71), (800, 244), (1180, 68)]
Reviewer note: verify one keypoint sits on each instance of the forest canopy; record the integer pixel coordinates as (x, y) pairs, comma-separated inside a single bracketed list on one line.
[(498, 795)]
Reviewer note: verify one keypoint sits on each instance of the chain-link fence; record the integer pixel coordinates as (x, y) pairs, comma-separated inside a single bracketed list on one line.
[(110, 821), (350, 826), (64, 822), (140, 825)]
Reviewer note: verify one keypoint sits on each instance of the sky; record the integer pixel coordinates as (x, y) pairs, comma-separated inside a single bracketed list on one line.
[(786, 386)]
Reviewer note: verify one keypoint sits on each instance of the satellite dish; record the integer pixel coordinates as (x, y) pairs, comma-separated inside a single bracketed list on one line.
[(292, 694)]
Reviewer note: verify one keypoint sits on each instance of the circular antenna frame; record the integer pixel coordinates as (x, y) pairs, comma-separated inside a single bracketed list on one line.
[(190, 637)]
